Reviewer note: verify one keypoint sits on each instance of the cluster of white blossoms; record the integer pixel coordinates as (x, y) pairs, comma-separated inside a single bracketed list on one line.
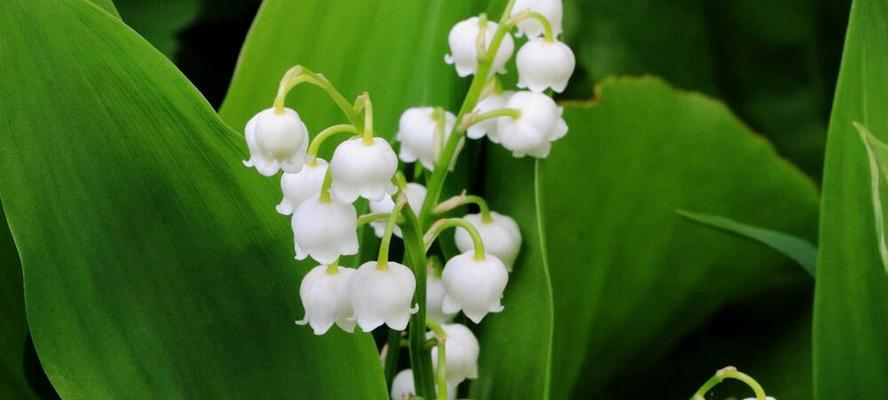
[(323, 197)]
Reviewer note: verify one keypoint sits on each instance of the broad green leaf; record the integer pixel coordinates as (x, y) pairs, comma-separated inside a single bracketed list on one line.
[(850, 350), (159, 21), (877, 156), (800, 250), (630, 277), (154, 263), (13, 326)]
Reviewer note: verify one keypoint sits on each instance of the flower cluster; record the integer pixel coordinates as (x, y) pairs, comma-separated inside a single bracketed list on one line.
[(323, 197)]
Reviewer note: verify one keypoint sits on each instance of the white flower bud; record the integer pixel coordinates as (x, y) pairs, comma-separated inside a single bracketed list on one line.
[(474, 286), (435, 297), (301, 185), (461, 349), (488, 127), (359, 169), (418, 134), (500, 235), (276, 142), (325, 230), (403, 386), (326, 299), (416, 194), (383, 295), (463, 39), (551, 9), (543, 64), (539, 124)]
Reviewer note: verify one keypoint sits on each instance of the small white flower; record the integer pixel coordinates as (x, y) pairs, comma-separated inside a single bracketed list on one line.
[(500, 235), (418, 134), (325, 230), (539, 124), (276, 142), (301, 185), (361, 169), (382, 295), (474, 286), (403, 386), (551, 9), (435, 297), (543, 64), (488, 127), (325, 298), (416, 194), (463, 39), (461, 348)]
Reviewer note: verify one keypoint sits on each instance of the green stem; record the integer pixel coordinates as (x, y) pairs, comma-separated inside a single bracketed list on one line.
[(368, 218), (420, 356), (479, 82), (326, 133), (325, 187), (445, 223), (393, 345), (333, 267), (298, 75), (382, 261), (461, 200), (368, 119), (513, 113), (441, 371), (550, 35), (730, 373)]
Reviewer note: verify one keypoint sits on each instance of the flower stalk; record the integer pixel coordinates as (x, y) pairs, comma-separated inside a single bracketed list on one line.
[(729, 372)]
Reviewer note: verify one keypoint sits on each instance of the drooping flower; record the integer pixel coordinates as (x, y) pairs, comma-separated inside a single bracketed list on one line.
[(382, 295), (403, 386), (419, 137), (543, 64), (494, 101), (474, 286), (301, 185), (539, 124), (462, 350), (363, 169), (435, 298), (416, 194), (325, 296), (276, 141), (500, 235), (325, 230), (463, 39), (552, 10)]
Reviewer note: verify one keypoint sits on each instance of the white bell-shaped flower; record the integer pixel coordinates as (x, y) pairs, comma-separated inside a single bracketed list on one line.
[(463, 39), (382, 296), (553, 10), (474, 286), (500, 235), (418, 134), (416, 194), (325, 230), (435, 298), (301, 185), (276, 142), (362, 169), (325, 296), (494, 101), (543, 64), (531, 133), (403, 386), (462, 350)]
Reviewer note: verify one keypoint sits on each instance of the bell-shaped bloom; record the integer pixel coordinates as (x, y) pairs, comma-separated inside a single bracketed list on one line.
[(276, 142), (462, 350), (463, 39), (300, 186), (416, 194), (531, 133), (543, 64), (500, 235), (494, 101), (474, 286), (382, 296), (435, 298), (325, 230), (361, 169), (419, 136), (553, 10), (403, 386), (326, 299)]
